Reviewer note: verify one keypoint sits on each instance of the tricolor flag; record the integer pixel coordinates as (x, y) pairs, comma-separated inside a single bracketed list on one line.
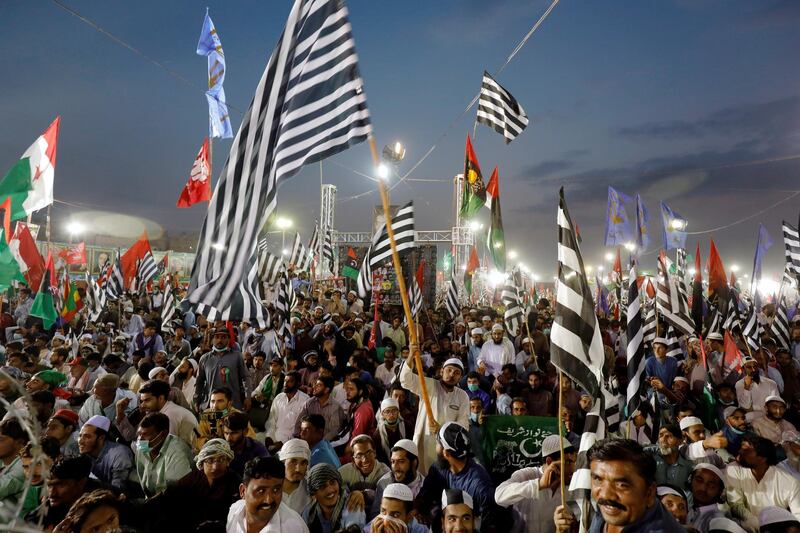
[(44, 303), (474, 193), (29, 183), (350, 267), (472, 265), (71, 298), (198, 188), (495, 237)]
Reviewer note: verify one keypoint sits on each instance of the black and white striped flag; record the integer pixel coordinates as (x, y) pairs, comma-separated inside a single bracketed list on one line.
[(732, 318), (451, 296), (313, 242), (791, 243), (309, 105), (146, 269), (650, 324), (381, 250), (269, 267), (115, 282), (414, 297), (673, 344), (671, 297), (635, 349), (513, 314), (327, 250), (167, 305), (283, 303), (300, 256), (752, 330), (780, 325), (95, 299), (499, 110)]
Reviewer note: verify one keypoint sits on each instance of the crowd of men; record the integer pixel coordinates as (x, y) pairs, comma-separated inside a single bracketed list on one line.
[(138, 425)]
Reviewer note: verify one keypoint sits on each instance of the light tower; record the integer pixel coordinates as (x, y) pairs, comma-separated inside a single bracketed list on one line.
[(327, 211)]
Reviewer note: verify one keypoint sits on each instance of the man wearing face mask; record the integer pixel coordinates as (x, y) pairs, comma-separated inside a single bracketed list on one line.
[(161, 459), (222, 367), (391, 428), (396, 515)]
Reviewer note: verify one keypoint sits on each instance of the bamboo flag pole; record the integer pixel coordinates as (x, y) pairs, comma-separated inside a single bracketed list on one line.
[(414, 345), (561, 439)]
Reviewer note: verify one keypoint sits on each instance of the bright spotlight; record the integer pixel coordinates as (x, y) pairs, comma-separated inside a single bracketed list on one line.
[(600, 268), (512, 254), (496, 278), (677, 224), (734, 268), (75, 227), (383, 171), (218, 245), (589, 268), (285, 252), (609, 256), (767, 287), (283, 223), (474, 225), (630, 246)]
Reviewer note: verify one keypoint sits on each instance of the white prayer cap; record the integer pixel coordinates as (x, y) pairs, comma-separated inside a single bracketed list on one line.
[(193, 362), (477, 331), (455, 497), (153, 373), (295, 449), (711, 468), (86, 336), (664, 490), (660, 340), (775, 515), (526, 339), (389, 403), (497, 327), (408, 445), (790, 436), (99, 422), (454, 361), (774, 398), (714, 336), (724, 524), (59, 336), (471, 325), (680, 378), (486, 317), (690, 421), (398, 491), (551, 445)]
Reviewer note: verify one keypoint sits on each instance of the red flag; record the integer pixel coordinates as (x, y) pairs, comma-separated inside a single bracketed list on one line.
[(733, 279), (420, 275), (198, 188), (374, 341), (733, 357), (6, 207), (128, 261), (698, 270), (31, 262), (74, 255), (618, 267), (717, 280)]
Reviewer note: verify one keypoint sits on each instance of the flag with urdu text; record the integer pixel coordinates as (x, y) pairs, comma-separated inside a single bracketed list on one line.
[(44, 304), (474, 194), (350, 267), (495, 238), (29, 183)]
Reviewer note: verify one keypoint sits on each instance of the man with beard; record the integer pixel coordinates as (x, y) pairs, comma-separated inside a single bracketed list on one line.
[(362, 475), (271, 384), (261, 507), (322, 404), (671, 466), (708, 491), (539, 400), (295, 455), (455, 468), (696, 446), (448, 403), (734, 430), (183, 377), (789, 373), (790, 440), (391, 428), (497, 351), (535, 492), (754, 482), (624, 489), (68, 481), (354, 304), (404, 469), (753, 389), (310, 373), (525, 359), (474, 348), (244, 447), (222, 367), (286, 408), (361, 416), (772, 425)]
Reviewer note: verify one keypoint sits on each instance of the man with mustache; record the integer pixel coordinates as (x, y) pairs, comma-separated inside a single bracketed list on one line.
[(672, 467), (261, 507), (404, 469), (708, 493), (753, 389), (790, 440), (624, 489), (772, 425)]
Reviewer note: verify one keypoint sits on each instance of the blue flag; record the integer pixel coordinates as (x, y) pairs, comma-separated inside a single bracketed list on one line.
[(618, 226), (209, 45), (674, 226), (642, 231), (763, 244)]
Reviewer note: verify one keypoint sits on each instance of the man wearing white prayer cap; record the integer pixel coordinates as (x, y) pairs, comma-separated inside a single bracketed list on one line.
[(476, 342), (449, 403), (707, 483), (724, 525), (404, 469), (777, 520), (497, 351), (391, 428), (295, 455), (396, 506), (674, 500), (111, 462)]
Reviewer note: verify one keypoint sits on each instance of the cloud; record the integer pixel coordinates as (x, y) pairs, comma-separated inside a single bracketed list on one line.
[(545, 168)]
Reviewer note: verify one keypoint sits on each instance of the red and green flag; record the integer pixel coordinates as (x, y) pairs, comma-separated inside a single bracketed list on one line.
[(350, 266), (29, 183), (44, 304), (472, 265), (496, 239), (72, 299), (474, 193)]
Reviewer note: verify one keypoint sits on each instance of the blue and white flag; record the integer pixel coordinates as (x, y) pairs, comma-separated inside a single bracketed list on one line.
[(642, 231), (618, 226), (209, 45), (674, 226)]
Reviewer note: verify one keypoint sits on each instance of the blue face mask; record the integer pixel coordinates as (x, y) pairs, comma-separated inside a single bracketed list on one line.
[(472, 386), (473, 417), (142, 446), (546, 331)]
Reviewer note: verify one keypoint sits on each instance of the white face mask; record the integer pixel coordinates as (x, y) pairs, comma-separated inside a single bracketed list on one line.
[(386, 519)]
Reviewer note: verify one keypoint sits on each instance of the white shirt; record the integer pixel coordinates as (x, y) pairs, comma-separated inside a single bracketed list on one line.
[(283, 521), (386, 376), (777, 488), (753, 399), (182, 422), (339, 395), (497, 355), (535, 506), (282, 415)]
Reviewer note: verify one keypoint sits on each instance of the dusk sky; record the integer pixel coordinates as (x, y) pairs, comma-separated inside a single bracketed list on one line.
[(693, 102)]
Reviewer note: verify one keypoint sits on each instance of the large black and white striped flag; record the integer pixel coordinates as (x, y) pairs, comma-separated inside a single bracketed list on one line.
[(415, 296), (791, 243), (313, 242), (671, 297), (381, 250), (167, 305), (780, 325), (732, 317), (635, 349), (115, 282), (284, 302), (650, 324), (95, 299), (673, 344), (513, 314), (269, 267), (499, 110), (752, 330), (146, 269), (327, 250), (309, 105), (451, 296), (300, 256)]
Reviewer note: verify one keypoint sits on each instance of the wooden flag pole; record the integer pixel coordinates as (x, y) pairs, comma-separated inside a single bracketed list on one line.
[(561, 439), (414, 345)]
